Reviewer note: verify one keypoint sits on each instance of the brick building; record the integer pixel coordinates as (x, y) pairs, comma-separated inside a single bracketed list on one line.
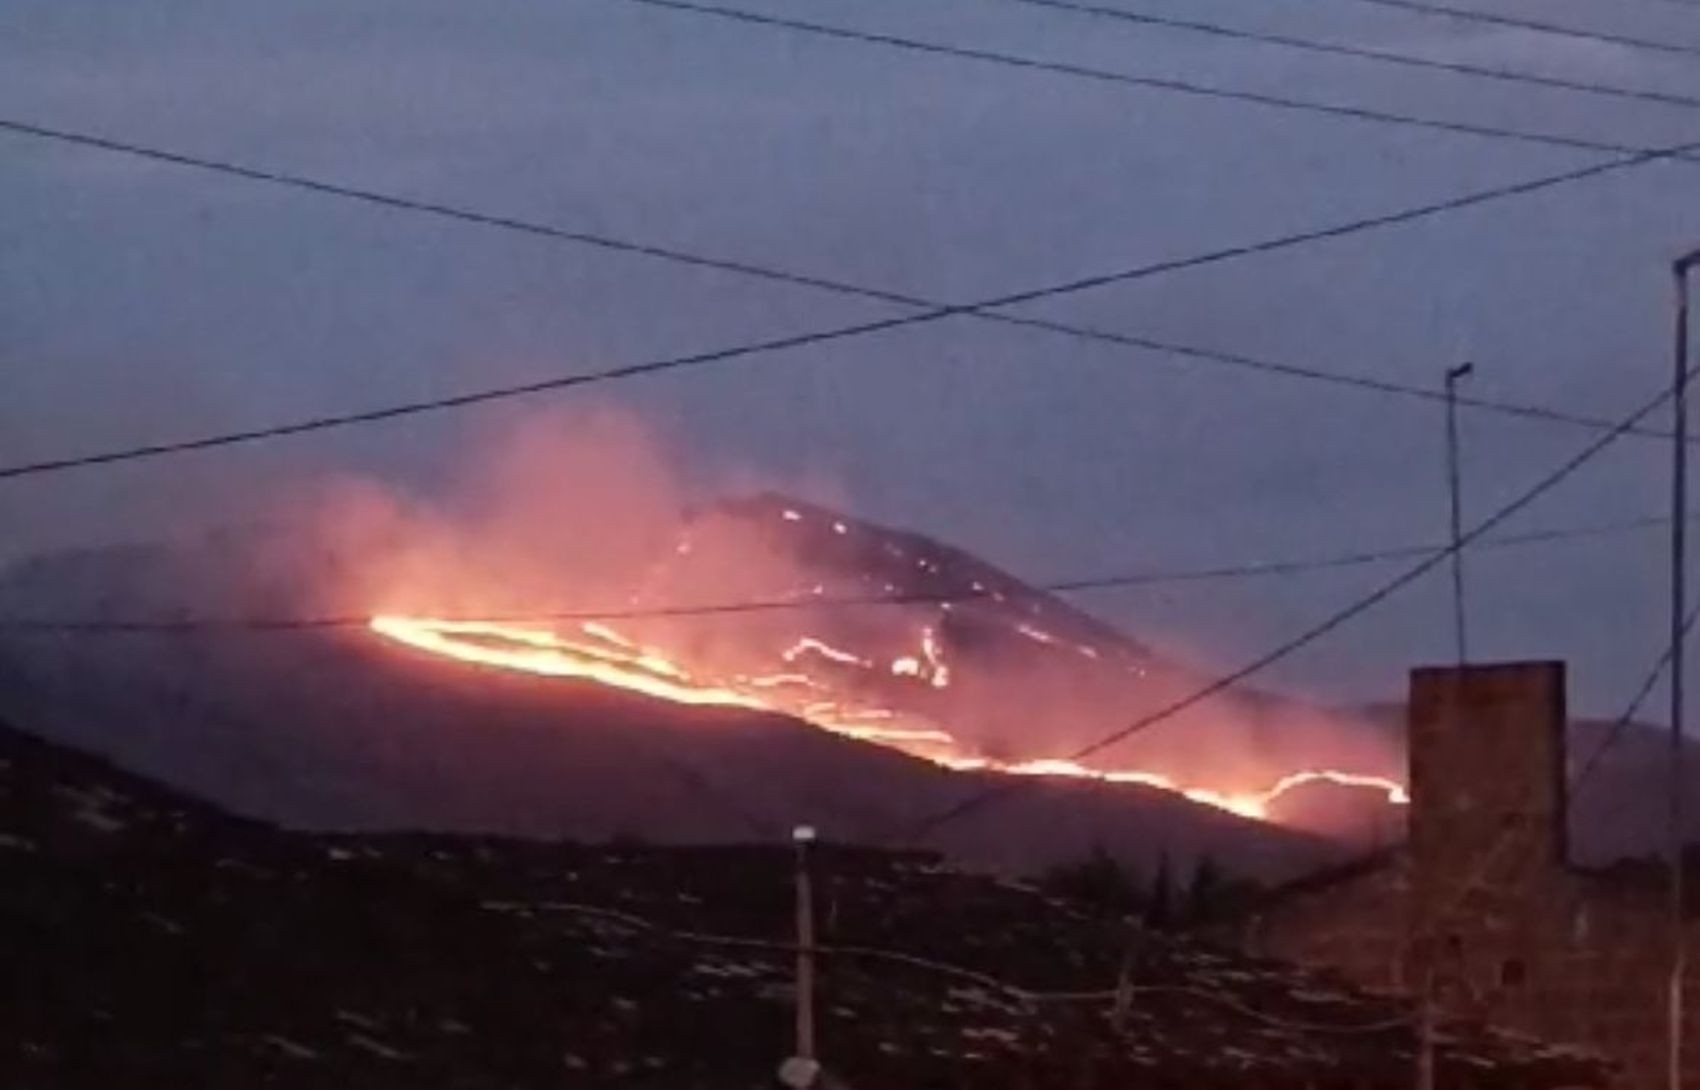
[(1482, 903)]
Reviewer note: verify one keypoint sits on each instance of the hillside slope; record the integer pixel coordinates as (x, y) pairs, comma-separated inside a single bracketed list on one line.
[(1620, 810), (335, 728), (343, 731)]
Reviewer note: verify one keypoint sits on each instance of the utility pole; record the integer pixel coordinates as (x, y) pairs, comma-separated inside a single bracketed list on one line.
[(1453, 374), (1679, 606), (1426, 1006), (1425, 1033), (803, 1070), (803, 836)]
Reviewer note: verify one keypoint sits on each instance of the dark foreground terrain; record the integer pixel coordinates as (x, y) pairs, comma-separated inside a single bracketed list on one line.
[(153, 941)]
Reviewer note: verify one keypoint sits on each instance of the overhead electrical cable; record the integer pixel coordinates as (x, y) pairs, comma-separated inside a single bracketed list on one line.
[(1359, 606), (1161, 577), (331, 421), (1129, 79), (464, 214), (1474, 15), (1367, 53), (1615, 732)]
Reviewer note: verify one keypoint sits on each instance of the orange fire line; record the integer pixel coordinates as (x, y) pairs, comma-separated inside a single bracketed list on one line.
[(609, 658)]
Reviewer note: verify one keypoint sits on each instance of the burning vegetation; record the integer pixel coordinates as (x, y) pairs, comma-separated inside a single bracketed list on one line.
[(571, 550)]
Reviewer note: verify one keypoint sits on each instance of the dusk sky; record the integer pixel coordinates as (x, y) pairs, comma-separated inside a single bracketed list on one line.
[(143, 302)]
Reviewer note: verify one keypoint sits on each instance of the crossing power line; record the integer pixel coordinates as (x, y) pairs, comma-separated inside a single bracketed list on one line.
[(1473, 15), (1353, 610), (1087, 584), (1025, 995), (1575, 782), (1615, 732), (1510, 833), (1410, 214), (1129, 79), (599, 240), (1367, 53)]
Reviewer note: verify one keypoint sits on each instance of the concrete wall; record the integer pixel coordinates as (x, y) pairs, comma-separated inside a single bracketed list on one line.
[(1586, 965), (1482, 898)]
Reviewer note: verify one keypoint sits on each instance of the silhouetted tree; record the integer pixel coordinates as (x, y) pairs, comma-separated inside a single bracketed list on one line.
[(1160, 906), (1203, 890), (1099, 881), (1214, 895)]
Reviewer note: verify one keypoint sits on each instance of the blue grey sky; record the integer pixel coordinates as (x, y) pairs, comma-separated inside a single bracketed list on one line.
[(142, 302)]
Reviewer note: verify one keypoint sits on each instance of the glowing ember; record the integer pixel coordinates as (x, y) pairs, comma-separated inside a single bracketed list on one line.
[(769, 681), (1251, 804), (605, 656), (603, 632), (935, 659), (810, 645)]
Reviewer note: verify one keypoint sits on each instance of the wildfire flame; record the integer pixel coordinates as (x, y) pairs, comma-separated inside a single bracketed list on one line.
[(598, 653), (614, 662)]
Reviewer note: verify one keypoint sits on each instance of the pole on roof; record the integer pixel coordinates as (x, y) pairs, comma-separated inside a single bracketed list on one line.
[(1425, 1032), (1678, 566), (1453, 374)]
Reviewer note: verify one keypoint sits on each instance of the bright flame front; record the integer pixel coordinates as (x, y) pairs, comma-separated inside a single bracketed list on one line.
[(599, 654)]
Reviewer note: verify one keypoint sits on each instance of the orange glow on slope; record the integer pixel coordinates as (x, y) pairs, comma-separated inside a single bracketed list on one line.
[(809, 645), (600, 654), (1250, 804), (542, 652)]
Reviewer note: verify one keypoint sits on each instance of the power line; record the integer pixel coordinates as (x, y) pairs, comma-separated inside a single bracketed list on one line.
[(461, 213), (136, 626), (1505, 840), (1025, 995), (1152, 83), (1619, 725), (1382, 56), (821, 336), (1472, 15), (1361, 605), (1615, 732)]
